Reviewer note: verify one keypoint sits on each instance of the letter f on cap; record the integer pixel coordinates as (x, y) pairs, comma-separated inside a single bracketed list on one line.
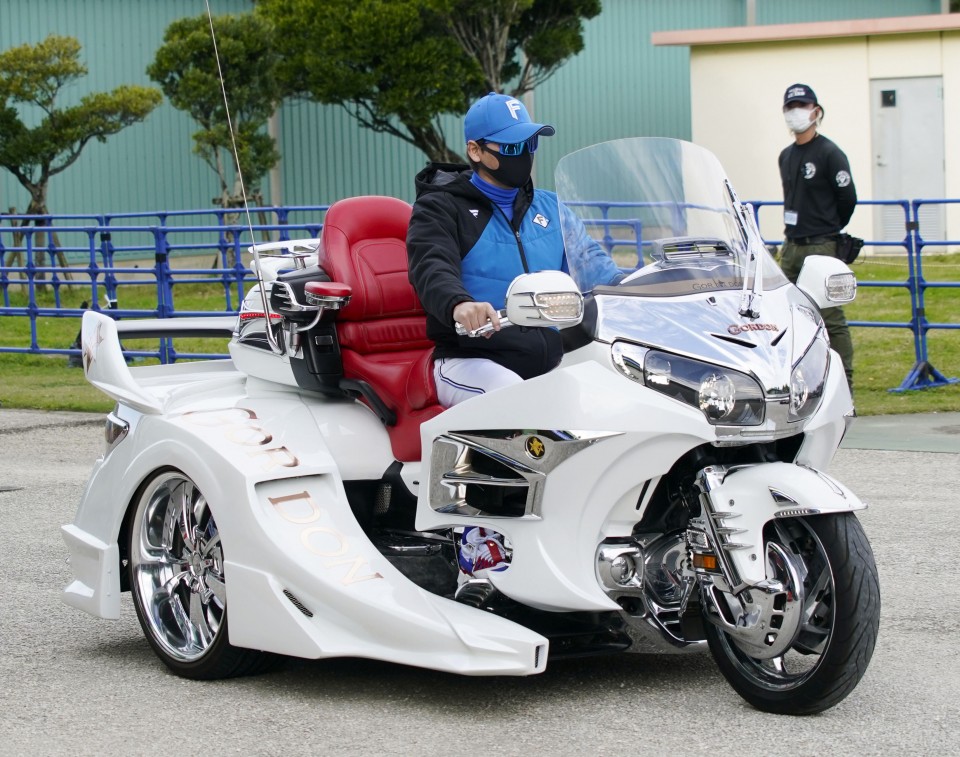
[(514, 106)]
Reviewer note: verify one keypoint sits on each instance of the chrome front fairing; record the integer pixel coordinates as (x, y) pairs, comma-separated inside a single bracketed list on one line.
[(708, 327)]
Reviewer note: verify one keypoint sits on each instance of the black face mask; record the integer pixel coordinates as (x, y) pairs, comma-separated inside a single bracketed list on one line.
[(514, 170)]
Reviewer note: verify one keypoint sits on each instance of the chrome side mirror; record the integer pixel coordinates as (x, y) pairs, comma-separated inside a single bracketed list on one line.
[(545, 298)]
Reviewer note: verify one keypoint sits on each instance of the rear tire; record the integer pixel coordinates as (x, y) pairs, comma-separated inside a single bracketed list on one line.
[(840, 618), (178, 584)]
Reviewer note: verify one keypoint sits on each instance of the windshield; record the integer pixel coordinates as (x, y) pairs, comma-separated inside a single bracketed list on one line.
[(664, 207)]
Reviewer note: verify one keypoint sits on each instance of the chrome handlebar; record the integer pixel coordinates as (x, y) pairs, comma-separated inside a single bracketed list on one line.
[(485, 329)]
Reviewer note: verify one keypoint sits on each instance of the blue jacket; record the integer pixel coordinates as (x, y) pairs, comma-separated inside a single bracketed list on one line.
[(502, 253)]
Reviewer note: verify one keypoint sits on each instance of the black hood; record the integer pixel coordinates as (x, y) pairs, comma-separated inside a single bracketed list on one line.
[(455, 179), (446, 177)]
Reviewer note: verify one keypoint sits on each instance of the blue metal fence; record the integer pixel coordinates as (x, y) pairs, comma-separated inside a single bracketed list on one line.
[(86, 253), (40, 263), (923, 375)]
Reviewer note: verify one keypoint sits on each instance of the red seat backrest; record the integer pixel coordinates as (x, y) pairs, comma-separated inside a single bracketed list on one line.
[(382, 332)]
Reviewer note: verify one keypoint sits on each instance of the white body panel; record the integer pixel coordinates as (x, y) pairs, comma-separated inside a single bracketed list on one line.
[(589, 497)]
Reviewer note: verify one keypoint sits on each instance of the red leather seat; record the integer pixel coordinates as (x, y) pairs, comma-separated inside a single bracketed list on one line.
[(382, 331)]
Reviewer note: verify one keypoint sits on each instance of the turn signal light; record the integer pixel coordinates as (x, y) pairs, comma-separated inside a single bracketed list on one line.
[(704, 562)]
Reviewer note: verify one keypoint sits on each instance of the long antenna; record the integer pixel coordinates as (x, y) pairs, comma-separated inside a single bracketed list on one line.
[(271, 339)]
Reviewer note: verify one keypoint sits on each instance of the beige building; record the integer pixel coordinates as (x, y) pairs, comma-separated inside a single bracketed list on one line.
[(890, 89)]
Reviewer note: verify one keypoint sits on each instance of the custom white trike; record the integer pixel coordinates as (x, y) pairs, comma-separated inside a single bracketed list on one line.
[(663, 489)]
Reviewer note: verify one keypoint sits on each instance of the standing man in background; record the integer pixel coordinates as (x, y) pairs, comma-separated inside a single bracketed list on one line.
[(818, 200)]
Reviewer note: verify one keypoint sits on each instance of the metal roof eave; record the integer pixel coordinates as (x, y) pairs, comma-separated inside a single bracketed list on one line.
[(816, 30)]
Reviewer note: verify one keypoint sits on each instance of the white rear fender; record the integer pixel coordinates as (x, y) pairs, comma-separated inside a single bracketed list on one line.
[(217, 449), (221, 448), (742, 500)]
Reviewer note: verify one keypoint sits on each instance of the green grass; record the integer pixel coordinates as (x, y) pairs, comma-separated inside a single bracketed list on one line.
[(884, 356), (48, 382)]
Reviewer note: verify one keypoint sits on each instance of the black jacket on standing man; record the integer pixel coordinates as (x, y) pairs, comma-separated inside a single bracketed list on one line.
[(817, 185)]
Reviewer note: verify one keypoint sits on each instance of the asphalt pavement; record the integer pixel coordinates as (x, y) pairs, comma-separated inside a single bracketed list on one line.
[(73, 684), (923, 432)]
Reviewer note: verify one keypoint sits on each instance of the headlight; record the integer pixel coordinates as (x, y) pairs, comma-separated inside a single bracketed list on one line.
[(726, 397), (718, 395), (808, 379)]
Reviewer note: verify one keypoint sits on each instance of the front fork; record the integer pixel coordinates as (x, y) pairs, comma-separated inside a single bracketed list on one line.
[(749, 587)]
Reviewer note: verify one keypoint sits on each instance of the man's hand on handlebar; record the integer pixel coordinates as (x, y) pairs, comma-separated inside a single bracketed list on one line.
[(476, 318)]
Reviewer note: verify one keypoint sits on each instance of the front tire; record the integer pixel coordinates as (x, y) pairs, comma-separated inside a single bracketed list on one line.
[(826, 564), (178, 583)]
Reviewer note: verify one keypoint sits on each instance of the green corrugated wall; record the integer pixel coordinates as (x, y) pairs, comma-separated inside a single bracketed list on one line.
[(619, 86), (146, 166)]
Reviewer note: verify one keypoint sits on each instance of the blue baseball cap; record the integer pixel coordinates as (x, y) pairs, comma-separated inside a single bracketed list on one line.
[(501, 119)]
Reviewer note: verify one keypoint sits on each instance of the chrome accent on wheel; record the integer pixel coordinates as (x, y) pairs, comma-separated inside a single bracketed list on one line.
[(834, 486), (764, 621), (777, 633), (697, 540), (176, 566), (726, 533), (781, 499), (712, 523), (797, 512)]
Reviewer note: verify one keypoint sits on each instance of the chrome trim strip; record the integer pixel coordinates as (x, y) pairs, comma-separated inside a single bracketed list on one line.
[(115, 431), (452, 467)]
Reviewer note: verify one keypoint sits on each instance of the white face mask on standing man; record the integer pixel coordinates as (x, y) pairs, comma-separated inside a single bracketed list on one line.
[(799, 119)]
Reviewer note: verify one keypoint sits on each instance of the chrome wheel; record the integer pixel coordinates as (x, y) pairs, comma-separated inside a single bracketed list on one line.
[(176, 564), (820, 627), (178, 583)]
